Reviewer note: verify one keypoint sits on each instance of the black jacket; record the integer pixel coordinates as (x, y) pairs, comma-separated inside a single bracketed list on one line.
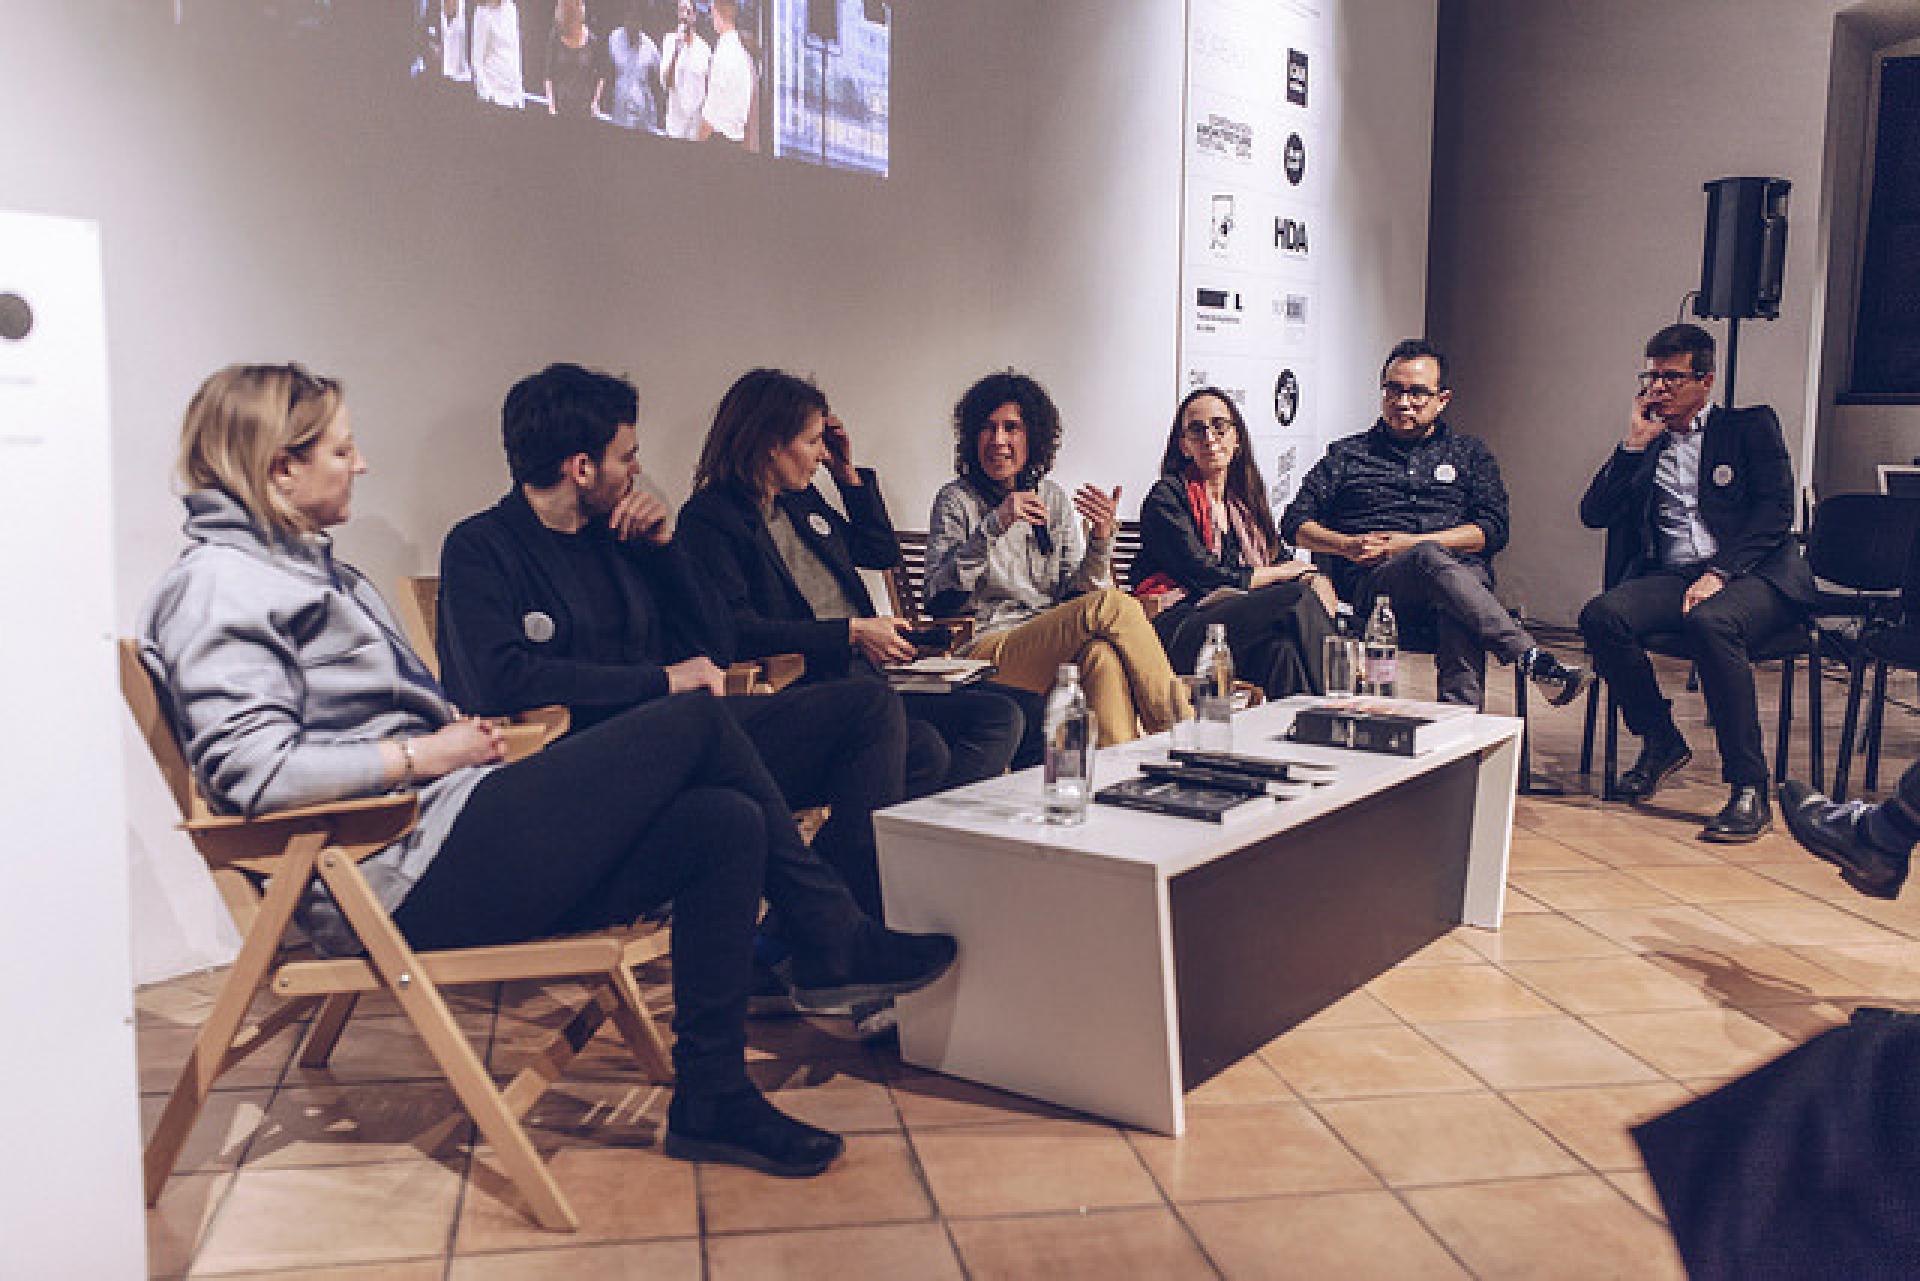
[(726, 537), (1170, 544), (1746, 503), (502, 584)]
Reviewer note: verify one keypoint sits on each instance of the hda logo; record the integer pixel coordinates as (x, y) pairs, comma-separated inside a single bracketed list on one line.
[(1290, 236)]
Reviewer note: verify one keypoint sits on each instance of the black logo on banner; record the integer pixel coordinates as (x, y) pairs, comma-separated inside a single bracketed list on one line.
[(1296, 158), (1217, 299), (1223, 136), (1296, 77), (1290, 236), (1286, 398)]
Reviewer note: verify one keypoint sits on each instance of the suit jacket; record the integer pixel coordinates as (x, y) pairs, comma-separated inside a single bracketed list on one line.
[(1746, 503), (510, 609), (725, 535)]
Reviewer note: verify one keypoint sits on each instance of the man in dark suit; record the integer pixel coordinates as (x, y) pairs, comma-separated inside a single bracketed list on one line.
[(1697, 503)]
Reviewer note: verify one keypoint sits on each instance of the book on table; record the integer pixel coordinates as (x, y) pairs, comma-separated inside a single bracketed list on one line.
[(1182, 799), (1392, 726), (938, 675)]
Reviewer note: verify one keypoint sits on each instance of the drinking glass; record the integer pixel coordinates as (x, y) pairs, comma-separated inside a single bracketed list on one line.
[(1342, 659)]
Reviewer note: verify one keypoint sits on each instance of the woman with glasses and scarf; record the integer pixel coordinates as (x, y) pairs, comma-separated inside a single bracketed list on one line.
[(1005, 544), (1210, 552)]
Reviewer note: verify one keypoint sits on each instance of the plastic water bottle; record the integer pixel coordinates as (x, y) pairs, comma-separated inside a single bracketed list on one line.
[(1213, 680), (1382, 649), (1070, 734)]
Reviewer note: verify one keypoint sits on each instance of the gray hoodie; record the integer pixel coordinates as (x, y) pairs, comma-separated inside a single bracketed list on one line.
[(283, 671)]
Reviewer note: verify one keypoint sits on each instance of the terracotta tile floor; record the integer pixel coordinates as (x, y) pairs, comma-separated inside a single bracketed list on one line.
[(1463, 1115)]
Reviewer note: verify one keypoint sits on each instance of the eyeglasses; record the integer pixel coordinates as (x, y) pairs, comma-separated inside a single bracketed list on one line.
[(1668, 379), (1215, 428), (1416, 394)]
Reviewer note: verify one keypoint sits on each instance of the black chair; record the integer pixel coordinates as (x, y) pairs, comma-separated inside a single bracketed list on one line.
[(1787, 647), (1883, 642)]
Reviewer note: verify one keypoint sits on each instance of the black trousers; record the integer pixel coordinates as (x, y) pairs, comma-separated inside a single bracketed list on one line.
[(843, 744), (1719, 632), (1469, 622), (666, 801), (1275, 632), (970, 733)]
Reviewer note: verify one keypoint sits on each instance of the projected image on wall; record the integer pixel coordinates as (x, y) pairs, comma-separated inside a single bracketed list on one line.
[(805, 79), (831, 59)]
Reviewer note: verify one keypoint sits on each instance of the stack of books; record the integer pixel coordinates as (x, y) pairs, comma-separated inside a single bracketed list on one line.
[(1393, 726), (1215, 787)]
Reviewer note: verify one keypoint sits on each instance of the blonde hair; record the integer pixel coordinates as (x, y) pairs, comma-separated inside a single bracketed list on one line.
[(241, 422)]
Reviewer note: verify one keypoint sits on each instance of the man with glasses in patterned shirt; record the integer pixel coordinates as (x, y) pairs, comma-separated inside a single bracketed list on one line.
[(1416, 510), (1697, 503)]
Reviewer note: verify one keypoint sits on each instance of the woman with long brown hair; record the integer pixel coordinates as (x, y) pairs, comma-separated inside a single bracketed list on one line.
[(1209, 549)]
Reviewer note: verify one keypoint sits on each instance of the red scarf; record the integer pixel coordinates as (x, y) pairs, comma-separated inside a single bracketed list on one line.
[(1253, 544)]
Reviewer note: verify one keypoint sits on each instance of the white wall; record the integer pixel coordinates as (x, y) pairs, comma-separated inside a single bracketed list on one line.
[(1572, 142), (1031, 220)]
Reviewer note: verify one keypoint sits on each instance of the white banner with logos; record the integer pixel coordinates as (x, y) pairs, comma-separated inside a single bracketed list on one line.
[(1256, 169)]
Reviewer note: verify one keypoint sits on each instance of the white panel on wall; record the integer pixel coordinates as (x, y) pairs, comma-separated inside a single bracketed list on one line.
[(71, 1120), (1256, 167)]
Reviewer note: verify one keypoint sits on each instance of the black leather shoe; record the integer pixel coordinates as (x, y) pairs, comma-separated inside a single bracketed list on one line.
[(742, 1128), (879, 964), (1559, 682), (1659, 760), (1746, 817), (1835, 833)]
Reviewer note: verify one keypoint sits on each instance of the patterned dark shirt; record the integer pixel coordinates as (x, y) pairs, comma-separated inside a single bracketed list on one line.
[(1374, 481)]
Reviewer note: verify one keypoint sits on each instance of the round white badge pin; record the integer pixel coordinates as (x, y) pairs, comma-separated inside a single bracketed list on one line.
[(537, 626), (819, 524), (1723, 475), (1445, 473)]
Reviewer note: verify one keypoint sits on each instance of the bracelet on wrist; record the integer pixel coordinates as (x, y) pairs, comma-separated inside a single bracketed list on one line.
[(409, 767)]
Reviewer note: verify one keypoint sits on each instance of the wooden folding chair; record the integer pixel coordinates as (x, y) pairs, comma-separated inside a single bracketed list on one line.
[(285, 850)]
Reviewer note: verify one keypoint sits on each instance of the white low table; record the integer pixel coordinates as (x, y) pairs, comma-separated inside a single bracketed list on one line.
[(1112, 966)]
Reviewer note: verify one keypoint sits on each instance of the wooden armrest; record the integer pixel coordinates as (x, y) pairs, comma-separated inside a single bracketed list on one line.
[(782, 670), (360, 827), (396, 803), (533, 730), (767, 675)]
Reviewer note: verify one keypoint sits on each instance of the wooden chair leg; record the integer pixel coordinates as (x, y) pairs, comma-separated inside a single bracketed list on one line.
[(1783, 741), (213, 1049), (1876, 721), (637, 1026), (326, 1029), (421, 1002), (1849, 722), (551, 1060)]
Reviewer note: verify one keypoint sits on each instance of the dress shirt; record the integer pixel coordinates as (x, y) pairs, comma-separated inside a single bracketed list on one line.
[(1681, 535)]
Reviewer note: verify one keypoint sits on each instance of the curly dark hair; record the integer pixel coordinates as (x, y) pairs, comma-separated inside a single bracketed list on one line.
[(1036, 411), (1245, 485)]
